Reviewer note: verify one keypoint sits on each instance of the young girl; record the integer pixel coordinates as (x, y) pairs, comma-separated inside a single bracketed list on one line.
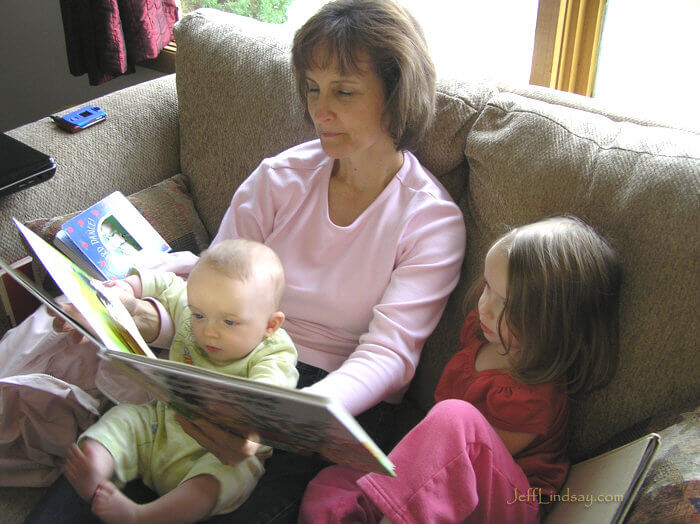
[(493, 447)]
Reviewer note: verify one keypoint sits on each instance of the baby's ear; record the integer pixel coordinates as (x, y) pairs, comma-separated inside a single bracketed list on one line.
[(273, 323)]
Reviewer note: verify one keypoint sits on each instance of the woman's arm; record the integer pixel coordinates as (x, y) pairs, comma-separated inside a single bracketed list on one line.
[(427, 270), (252, 210)]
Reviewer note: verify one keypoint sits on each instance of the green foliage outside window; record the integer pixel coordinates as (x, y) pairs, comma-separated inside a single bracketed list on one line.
[(273, 11)]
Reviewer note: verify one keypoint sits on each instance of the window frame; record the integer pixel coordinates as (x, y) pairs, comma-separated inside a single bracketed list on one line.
[(567, 39), (165, 61)]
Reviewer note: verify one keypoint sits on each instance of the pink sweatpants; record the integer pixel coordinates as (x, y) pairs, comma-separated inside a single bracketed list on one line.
[(452, 467)]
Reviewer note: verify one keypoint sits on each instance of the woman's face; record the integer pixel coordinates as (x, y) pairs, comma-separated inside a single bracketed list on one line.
[(347, 110)]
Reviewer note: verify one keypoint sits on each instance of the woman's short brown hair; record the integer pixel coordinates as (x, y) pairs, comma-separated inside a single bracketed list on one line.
[(394, 42)]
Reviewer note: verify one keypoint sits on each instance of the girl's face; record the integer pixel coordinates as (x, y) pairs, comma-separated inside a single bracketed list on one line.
[(347, 110), (492, 299)]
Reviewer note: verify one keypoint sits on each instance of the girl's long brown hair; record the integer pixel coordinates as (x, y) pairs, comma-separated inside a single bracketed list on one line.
[(562, 303)]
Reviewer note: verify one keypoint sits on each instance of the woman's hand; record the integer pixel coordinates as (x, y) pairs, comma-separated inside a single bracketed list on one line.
[(61, 325), (229, 449)]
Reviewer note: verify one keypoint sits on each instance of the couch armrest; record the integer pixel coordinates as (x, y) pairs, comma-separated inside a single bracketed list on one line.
[(137, 146)]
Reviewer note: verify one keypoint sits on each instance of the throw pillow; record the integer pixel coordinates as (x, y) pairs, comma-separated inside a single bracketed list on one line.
[(671, 491)]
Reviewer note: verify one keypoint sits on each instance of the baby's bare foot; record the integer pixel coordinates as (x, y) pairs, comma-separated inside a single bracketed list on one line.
[(112, 506), (86, 468)]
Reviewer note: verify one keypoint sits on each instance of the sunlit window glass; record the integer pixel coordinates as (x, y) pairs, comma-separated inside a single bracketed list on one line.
[(468, 39), (648, 59)]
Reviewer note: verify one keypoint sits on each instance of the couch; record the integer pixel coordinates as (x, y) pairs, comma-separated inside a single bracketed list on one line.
[(507, 155)]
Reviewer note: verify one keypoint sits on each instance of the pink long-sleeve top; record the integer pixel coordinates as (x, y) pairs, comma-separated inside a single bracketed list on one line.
[(359, 300)]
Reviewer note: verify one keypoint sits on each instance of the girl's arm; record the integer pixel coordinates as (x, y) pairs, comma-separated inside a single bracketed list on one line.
[(515, 442)]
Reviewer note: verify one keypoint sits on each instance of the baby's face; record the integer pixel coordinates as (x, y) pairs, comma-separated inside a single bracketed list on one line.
[(229, 316)]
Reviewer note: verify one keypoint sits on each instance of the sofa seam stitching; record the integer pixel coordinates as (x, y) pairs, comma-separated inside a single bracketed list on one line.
[(601, 146)]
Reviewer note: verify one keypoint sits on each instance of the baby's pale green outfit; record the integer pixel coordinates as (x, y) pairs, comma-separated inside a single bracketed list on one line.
[(146, 440)]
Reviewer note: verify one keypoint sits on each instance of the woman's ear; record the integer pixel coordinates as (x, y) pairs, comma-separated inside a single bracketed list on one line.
[(273, 323)]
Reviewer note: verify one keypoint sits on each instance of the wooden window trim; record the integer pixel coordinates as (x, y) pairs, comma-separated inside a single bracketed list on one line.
[(567, 37), (165, 61)]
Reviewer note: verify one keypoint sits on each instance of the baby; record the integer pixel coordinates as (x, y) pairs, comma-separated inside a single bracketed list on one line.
[(227, 319)]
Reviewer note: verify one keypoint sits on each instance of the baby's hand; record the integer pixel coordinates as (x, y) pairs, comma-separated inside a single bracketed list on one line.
[(143, 312), (130, 285), (145, 316)]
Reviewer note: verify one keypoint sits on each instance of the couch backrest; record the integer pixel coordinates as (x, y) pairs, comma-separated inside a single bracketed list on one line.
[(639, 186), (507, 157)]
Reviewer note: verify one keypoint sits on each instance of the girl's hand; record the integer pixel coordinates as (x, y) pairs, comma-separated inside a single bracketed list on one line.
[(229, 449)]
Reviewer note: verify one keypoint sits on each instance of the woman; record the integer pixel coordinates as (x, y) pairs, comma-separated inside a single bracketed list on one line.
[(371, 243)]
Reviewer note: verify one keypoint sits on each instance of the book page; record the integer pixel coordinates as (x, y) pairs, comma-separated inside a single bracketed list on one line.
[(284, 418), (103, 312)]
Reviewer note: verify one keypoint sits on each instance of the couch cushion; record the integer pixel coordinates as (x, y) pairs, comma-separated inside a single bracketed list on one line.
[(671, 489), (636, 184), (458, 104)]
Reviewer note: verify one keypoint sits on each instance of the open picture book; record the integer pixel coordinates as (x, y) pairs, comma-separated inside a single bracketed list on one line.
[(283, 418)]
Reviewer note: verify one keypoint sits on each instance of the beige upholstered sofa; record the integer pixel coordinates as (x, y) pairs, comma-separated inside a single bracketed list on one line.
[(507, 156)]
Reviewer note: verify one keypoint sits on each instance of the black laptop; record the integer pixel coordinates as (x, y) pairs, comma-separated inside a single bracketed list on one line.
[(21, 165)]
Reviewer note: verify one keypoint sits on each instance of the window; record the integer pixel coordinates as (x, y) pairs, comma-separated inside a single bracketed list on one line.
[(646, 57), (484, 39), (479, 39), (646, 50), (273, 11)]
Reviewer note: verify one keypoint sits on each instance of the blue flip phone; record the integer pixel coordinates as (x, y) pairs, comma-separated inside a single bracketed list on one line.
[(80, 119)]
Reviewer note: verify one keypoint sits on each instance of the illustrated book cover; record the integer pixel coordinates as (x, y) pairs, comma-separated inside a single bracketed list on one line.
[(106, 239), (282, 418)]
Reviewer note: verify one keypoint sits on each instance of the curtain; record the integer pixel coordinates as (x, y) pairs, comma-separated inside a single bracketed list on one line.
[(106, 38)]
